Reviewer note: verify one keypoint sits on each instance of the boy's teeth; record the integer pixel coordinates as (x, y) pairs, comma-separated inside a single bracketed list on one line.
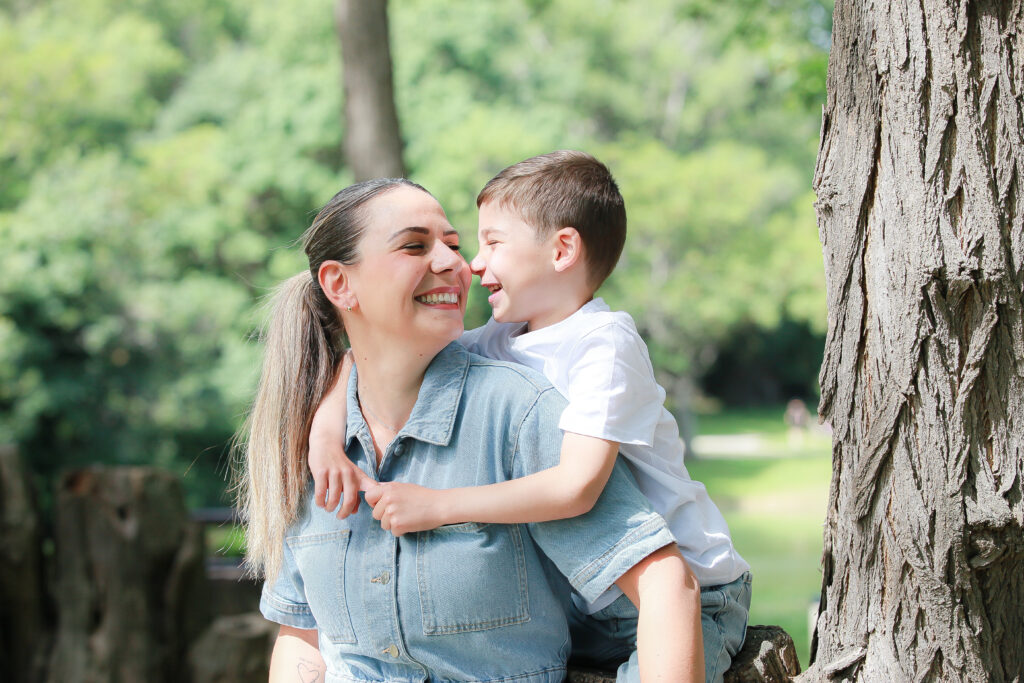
[(444, 298)]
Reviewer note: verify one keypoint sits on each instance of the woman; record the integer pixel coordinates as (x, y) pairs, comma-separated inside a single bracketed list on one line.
[(470, 602)]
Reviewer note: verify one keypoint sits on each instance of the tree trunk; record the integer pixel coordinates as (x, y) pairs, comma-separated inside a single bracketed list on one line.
[(918, 181), (129, 578), (373, 141), (234, 649), (23, 613)]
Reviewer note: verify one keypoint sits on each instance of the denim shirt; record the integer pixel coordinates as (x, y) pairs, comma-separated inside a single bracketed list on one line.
[(465, 602)]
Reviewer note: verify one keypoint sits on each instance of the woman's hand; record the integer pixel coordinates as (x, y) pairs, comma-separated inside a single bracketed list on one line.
[(404, 508)]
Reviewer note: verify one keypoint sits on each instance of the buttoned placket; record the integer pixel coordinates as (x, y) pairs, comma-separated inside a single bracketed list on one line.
[(383, 573)]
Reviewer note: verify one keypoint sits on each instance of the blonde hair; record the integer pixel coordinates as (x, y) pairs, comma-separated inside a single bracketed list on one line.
[(304, 340)]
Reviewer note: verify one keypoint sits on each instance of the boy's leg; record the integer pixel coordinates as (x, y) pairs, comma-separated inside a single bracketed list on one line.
[(724, 611), (607, 639)]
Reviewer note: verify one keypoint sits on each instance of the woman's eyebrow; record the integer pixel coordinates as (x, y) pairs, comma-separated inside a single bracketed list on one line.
[(420, 231), (416, 229)]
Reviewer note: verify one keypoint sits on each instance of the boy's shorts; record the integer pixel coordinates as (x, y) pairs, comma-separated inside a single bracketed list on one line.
[(607, 638)]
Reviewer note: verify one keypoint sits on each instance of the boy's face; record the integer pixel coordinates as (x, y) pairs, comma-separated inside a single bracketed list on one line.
[(516, 267)]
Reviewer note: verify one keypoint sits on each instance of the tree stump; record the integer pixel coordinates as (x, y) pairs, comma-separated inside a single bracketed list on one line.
[(23, 622), (233, 649), (129, 577), (768, 656)]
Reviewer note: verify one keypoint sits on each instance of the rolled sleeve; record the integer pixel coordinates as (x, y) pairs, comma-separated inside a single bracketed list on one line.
[(283, 600), (595, 549)]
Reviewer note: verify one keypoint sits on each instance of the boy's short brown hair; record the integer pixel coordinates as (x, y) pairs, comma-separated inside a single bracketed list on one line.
[(566, 189)]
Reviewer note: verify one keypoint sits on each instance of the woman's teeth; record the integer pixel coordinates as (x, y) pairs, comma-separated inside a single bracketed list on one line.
[(445, 298)]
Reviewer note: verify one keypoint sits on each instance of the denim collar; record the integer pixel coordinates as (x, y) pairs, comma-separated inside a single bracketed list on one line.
[(433, 417)]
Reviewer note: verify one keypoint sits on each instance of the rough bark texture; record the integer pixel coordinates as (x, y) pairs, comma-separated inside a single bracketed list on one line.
[(373, 142), (129, 578), (23, 613), (918, 182), (768, 656)]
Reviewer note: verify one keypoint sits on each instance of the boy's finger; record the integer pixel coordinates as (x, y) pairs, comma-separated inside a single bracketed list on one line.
[(334, 491), (366, 483), (319, 488)]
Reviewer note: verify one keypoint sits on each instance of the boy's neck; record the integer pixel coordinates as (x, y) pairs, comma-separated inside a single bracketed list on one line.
[(556, 314)]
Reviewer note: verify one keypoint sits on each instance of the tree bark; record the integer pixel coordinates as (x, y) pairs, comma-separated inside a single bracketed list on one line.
[(373, 141), (129, 578), (23, 607), (918, 181), (234, 649)]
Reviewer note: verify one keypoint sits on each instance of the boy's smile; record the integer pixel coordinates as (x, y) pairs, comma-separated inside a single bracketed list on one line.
[(517, 268)]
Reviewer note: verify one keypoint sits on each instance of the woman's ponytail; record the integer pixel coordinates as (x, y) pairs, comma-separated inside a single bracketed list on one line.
[(302, 350), (303, 346)]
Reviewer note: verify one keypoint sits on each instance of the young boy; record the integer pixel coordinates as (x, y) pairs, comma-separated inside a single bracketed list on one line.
[(551, 229)]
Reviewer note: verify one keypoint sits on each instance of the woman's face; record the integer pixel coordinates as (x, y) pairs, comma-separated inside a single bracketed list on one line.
[(411, 281)]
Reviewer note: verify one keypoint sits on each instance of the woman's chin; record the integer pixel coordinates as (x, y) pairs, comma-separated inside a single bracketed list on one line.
[(438, 333)]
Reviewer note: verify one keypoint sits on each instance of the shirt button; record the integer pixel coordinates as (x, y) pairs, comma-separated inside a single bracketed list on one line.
[(383, 577), (393, 651), (399, 448)]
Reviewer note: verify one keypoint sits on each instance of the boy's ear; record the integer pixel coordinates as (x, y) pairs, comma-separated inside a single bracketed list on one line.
[(568, 249), (334, 280)]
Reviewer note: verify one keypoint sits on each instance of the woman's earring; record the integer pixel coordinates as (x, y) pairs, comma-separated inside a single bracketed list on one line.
[(349, 308)]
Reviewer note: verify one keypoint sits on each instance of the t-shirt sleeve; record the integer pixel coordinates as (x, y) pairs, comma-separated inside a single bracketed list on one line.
[(283, 600), (611, 389), (470, 339), (592, 551)]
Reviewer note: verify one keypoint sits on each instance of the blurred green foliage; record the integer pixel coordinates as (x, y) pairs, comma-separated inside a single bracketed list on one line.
[(158, 160)]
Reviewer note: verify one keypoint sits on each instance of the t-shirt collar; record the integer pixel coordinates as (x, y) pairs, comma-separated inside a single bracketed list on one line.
[(555, 329)]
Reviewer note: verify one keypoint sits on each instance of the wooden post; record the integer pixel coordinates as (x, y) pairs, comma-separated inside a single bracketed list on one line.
[(129, 577)]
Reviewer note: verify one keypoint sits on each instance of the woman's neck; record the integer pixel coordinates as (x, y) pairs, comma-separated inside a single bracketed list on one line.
[(389, 383)]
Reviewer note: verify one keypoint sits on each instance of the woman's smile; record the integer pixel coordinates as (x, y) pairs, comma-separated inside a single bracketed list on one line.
[(441, 297)]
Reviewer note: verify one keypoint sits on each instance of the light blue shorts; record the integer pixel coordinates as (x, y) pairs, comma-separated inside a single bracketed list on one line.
[(607, 639)]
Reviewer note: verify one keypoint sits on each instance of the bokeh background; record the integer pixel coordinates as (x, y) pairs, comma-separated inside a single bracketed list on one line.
[(159, 159)]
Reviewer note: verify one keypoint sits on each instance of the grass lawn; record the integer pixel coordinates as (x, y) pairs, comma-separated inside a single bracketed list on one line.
[(775, 505)]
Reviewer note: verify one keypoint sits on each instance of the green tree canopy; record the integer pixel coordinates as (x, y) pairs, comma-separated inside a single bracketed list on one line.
[(159, 160)]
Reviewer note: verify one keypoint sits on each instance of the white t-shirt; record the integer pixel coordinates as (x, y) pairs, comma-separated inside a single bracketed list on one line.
[(598, 361)]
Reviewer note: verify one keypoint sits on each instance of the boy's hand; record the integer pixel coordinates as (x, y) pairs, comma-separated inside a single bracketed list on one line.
[(334, 475), (404, 508)]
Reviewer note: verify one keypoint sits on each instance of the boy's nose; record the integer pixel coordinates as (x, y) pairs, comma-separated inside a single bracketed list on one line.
[(477, 265)]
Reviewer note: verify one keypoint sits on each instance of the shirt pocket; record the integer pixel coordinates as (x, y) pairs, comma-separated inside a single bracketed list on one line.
[(472, 577), (321, 561)]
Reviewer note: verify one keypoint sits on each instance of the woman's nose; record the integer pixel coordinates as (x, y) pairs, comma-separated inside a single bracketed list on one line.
[(446, 258)]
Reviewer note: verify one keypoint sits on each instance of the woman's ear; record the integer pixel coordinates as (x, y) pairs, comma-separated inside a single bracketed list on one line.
[(568, 249), (335, 283)]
